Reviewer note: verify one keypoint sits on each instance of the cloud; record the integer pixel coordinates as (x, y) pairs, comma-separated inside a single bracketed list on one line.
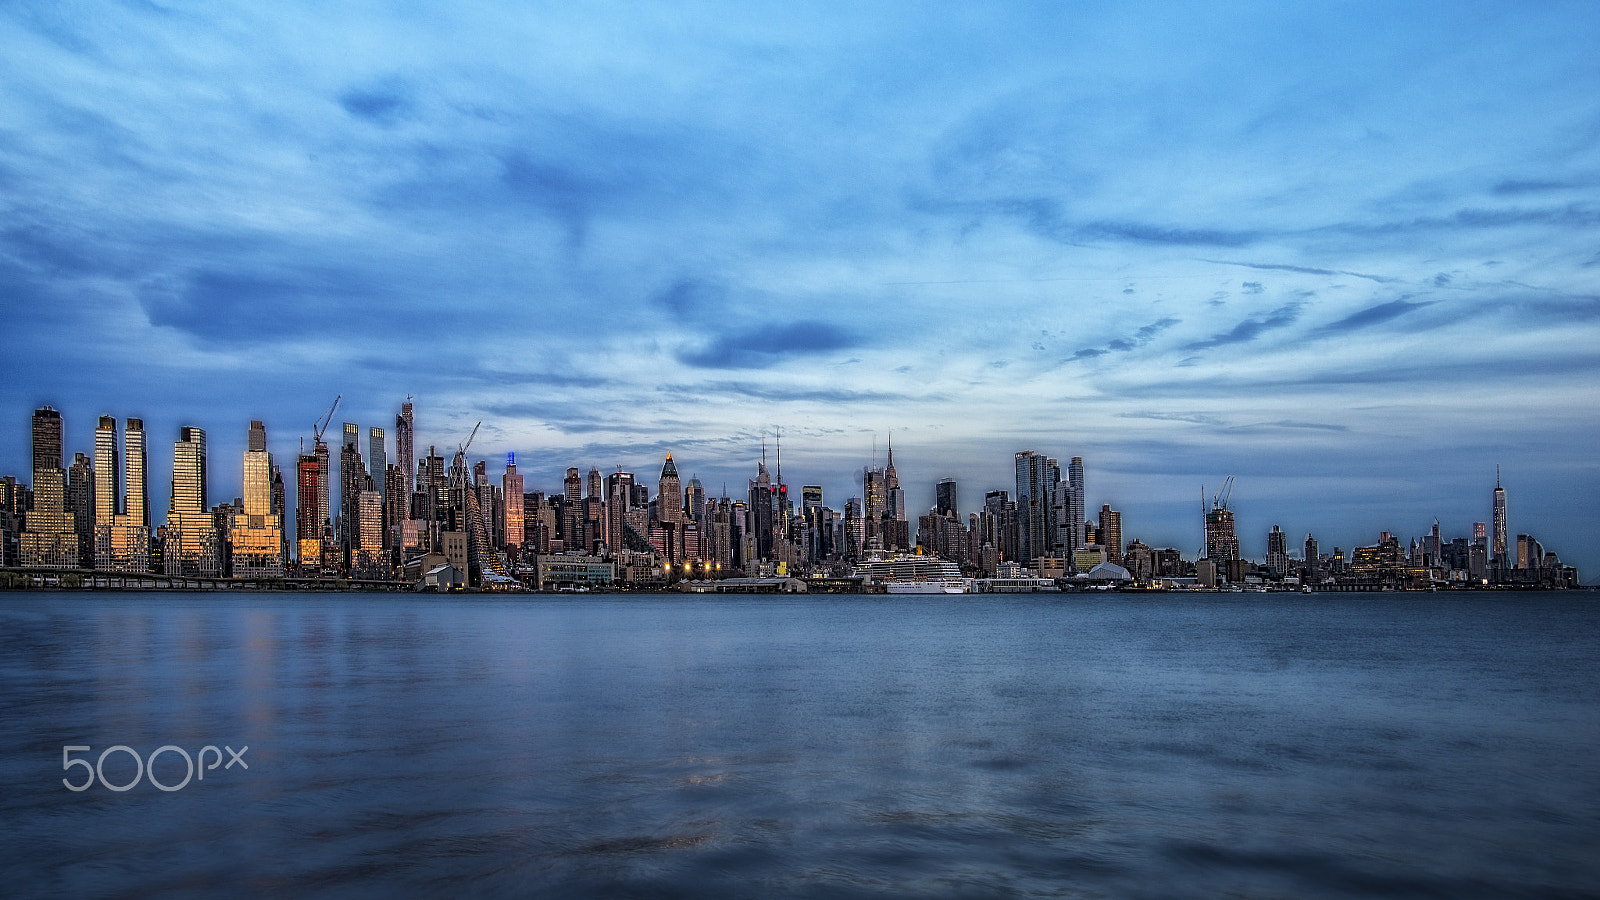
[(381, 104), (783, 394), (1250, 329), (1373, 315), (1252, 287), (1531, 186), (1144, 335), (768, 345), (1304, 270)]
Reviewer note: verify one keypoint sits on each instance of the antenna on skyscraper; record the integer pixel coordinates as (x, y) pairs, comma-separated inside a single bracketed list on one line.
[(780, 453)]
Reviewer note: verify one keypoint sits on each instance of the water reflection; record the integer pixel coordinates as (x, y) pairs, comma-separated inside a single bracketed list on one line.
[(810, 747)]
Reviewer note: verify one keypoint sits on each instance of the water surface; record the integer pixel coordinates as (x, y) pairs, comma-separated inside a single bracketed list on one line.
[(667, 746)]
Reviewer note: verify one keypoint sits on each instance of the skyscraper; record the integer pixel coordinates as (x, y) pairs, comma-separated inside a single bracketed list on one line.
[(311, 494), (377, 460), (107, 474), (1076, 512), (136, 464), (46, 439), (404, 445), (1037, 477), (944, 497), (191, 546), (1277, 551), (511, 491), (50, 539), (1497, 550), (256, 531), (1110, 532)]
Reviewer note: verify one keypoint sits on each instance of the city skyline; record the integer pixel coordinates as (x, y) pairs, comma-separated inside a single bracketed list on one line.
[(1345, 255), (205, 468)]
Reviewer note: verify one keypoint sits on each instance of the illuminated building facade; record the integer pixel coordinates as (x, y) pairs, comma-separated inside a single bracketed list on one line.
[(191, 546), (256, 531)]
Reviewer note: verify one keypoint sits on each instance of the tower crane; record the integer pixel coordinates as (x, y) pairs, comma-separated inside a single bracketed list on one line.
[(327, 418)]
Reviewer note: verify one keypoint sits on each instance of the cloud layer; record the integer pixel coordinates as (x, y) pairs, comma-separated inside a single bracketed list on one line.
[(1181, 241)]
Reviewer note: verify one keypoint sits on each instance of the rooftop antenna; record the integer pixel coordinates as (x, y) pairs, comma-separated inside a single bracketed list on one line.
[(780, 454)]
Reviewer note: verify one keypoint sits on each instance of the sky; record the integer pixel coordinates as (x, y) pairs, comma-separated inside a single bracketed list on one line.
[(1348, 254)]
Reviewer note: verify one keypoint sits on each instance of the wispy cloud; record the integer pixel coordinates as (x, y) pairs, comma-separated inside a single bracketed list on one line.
[(1252, 328), (765, 346)]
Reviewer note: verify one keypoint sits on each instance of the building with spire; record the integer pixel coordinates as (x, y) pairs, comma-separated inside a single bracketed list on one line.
[(1498, 557)]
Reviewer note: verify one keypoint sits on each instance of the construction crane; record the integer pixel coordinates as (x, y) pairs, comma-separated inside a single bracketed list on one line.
[(468, 444), (327, 418), (1220, 499)]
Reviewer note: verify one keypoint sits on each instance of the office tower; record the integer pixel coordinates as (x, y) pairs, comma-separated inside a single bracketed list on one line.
[(1497, 550), (669, 511), (1037, 478), (944, 498), (309, 494), (763, 495), (105, 489), (377, 461), (106, 469), (46, 439), (136, 465), (1312, 560), (1221, 543), (191, 547), (511, 490), (1076, 511), (668, 495), (256, 529), (1277, 551), (404, 446), (352, 481), (80, 504), (1004, 529), (895, 498), (122, 532), (401, 533), (596, 490), (1110, 529), (50, 539), (694, 500)]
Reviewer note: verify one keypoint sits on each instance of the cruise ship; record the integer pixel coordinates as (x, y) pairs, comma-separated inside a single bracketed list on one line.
[(907, 574)]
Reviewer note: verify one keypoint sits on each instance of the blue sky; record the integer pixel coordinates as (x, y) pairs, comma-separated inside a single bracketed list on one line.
[(1349, 254)]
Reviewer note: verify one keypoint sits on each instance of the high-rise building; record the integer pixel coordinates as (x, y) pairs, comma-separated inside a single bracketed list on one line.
[(1037, 478), (136, 466), (352, 481), (1076, 511), (1277, 551), (46, 439), (256, 531), (1497, 550), (191, 546), (1313, 558), (107, 474), (377, 460), (311, 492), (1221, 542), (80, 503), (404, 445), (1110, 529), (122, 528), (511, 491), (944, 498), (50, 539)]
